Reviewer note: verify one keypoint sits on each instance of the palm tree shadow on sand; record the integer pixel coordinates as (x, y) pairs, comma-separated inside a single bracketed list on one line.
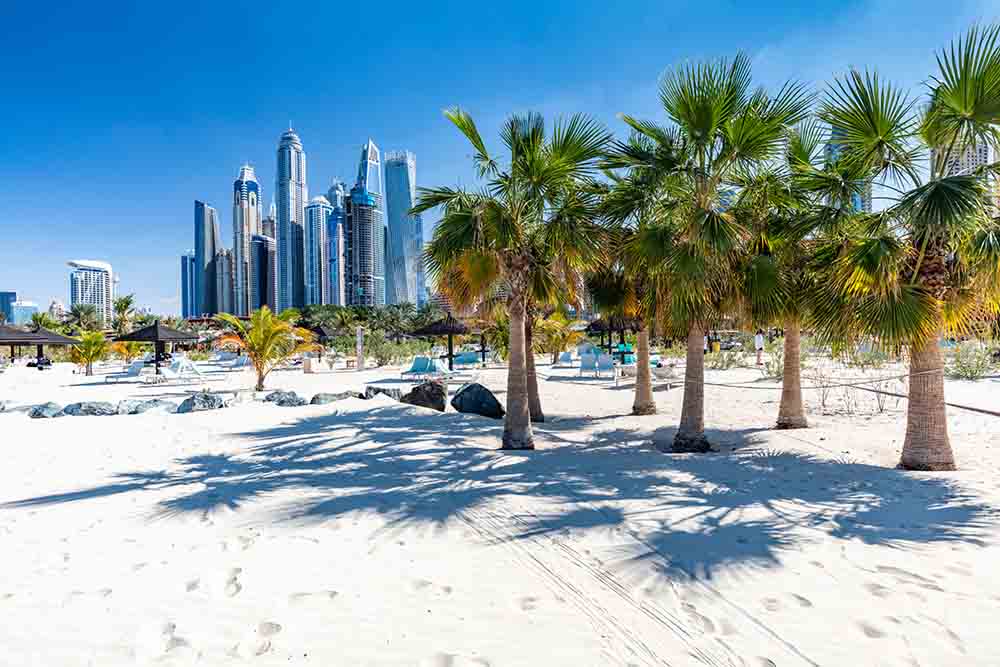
[(693, 515)]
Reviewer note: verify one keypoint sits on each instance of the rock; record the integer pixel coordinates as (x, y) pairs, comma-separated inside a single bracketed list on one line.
[(154, 404), (128, 406), (371, 392), (431, 394), (290, 400), (478, 400), (201, 402), (324, 398), (45, 411), (90, 409), (275, 395)]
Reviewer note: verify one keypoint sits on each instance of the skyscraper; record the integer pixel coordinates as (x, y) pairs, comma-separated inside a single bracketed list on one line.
[(404, 262), (7, 300), (92, 282), (224, 281), (337, 196), (860, 202), (292, 193), (207, 243), (263, 264), (189, 297), (267, 224), (23, 310), (366, 240), (246, 223), (315, 244)]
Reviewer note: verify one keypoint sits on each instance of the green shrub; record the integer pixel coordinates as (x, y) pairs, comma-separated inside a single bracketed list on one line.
[(723, 360), (972, 361)]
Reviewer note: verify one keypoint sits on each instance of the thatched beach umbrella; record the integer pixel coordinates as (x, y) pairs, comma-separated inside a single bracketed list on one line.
[(13, 336), (323, 333), (611, 325), (159, 335), (449, 327)]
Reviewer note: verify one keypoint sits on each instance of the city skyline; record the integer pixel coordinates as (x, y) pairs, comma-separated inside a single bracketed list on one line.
[(188, 131)]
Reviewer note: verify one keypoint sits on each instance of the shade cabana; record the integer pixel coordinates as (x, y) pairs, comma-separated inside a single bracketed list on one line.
[(323, 333), (449, 327), (38, 337), (611, 325), (159, 336)]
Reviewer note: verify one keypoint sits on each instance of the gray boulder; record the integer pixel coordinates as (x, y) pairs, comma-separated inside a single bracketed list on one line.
[(431, 394), (371, 392), (324, 398), (46, 411), (154, 404), (90, 409), (127, 406), (201, 402), (290, 400), (477, 400), (276, 394)]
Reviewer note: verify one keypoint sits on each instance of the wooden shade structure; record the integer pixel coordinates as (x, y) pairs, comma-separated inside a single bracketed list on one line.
[(447, 326), (39, 337), (158, 335), (611, 325)]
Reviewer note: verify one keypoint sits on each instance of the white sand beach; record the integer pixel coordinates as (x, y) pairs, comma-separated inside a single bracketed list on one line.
[(377, 533)]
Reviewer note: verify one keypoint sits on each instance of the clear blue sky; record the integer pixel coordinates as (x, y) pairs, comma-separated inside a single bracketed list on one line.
[(117, 115)]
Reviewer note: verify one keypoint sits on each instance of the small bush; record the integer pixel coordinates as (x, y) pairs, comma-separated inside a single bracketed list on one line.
[(972, 361), (723, 360)]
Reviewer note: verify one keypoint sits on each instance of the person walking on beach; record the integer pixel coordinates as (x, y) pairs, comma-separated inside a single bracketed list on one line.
[(758, 343)]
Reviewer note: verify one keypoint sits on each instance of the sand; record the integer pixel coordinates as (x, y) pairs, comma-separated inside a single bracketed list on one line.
[(375, 533)]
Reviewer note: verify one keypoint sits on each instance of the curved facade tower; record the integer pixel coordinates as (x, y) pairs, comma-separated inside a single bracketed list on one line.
[(316, 251), (246, 224), (404, 280), (366, 240), (92, 282), (291, 194)]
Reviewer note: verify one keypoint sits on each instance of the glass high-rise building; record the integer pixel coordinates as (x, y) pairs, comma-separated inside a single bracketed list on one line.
[(316, 248), (189, 297), (263, 267), (207, 242), (337, 196), (224, 274), (366, 240), (291, 195), (92, 282), (246, 223), (404, 281), (7, 300), (22, 312)]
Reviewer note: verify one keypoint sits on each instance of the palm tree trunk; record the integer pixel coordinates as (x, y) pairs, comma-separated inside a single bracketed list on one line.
[(791, 413), (534, 401), (926, 446), (260, 380), (90, 369), (691, 431), (517, 423), (643, 403)]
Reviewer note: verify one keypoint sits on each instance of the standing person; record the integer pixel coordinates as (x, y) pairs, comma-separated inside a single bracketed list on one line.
[(758, 343), (706, 343)]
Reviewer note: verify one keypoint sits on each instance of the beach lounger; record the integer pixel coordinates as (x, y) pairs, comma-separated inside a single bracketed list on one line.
[(588, 363), (421, 367), (605, 364), (566, 359), (133, 371)]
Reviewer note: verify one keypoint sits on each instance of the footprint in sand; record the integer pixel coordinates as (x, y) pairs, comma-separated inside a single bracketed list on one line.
[(870, 630), (704, 623), (233, 586), (317, 595), (878, 590), (420, 584), (452, 660), (766, 662), (192, 585), (802, 600), (771, 604), (528, 603)]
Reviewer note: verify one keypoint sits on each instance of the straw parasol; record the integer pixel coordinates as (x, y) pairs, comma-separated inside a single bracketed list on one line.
[(159, 335), (13, 336), (612, 324), (449, 327)]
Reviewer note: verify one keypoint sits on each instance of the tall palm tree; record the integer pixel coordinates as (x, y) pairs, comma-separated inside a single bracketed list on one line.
[(93, 347), (267, 339), (83, 317), (930, 261), (718, 126), (532, 209), (124, 311), (43, 320)]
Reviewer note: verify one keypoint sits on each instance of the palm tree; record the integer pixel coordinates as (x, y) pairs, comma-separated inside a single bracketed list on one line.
[(343, 320), (93, 347), (128, 350), (531, 209), (43, 320), (124, 311), (425, 314), (930, 261), (83, 317), (558, 334), (267, 339), (719, 127)]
